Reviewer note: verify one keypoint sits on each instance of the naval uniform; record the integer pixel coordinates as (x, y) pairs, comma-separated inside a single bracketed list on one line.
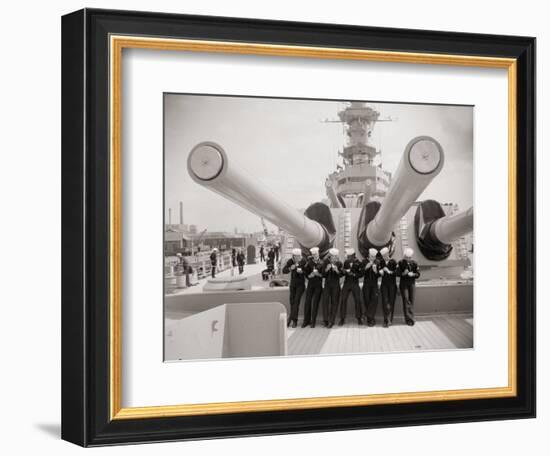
[(388, 288), (297, 285), (240, 262), (352, 271), (407, 287), (370, 289), (268, 270), (331, 292), (213, 263), (314, 290)]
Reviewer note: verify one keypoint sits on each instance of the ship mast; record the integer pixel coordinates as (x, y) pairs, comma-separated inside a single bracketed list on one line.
[(359, 120), (361, 179)]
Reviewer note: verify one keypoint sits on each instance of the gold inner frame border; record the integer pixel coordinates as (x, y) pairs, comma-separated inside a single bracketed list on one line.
[(116, 46)]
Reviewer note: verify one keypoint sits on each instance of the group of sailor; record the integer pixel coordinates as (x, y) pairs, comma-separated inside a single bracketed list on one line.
[(320, 280)]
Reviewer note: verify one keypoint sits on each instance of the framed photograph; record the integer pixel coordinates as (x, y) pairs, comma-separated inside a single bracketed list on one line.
[(276, 227)]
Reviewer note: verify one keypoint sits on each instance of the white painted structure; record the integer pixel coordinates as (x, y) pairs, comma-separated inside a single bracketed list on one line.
[(237, 330)]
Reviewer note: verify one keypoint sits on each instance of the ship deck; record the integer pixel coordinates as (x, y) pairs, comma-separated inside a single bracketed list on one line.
[(431, 332), (448, 330), (434, 332)]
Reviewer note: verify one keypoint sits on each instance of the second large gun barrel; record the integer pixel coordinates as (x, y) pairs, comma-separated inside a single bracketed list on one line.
[(447, 229), (421, 162), (209, 166)]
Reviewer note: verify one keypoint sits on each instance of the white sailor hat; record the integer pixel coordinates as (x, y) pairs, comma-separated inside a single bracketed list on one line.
[(178, 254), (334, 252), (408, 252), (384, 251), (215, 249), (350, 252), (373, 252), (297, 252), (314, 250)]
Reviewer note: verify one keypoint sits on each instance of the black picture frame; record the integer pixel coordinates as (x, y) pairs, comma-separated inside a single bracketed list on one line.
[(85, 228)]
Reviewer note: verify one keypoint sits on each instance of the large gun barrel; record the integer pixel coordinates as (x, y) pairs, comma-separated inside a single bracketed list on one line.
[(209, 166), (436, 231), (447, 229), (421, 162)]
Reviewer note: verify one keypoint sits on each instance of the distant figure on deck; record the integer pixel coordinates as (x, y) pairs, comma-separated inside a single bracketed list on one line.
[(262, 254), (268, 272), (277, 248), (332, 271), (408, 272), (240, 261), (314, 289), (271, 255), (352, 272), (388, 288), (233, 257), (295, 266), (185, 268), (213, 262), (370, 286)]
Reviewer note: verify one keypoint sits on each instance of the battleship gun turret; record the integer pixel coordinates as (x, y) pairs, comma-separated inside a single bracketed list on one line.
[(421, 162), (436, 232), (209, 166), (447, 229), (368, 207)]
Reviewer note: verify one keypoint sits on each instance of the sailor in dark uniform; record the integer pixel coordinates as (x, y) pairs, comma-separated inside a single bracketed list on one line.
[(332, 271), (240, 261), (314, 289), (262, 255), (388, 287), (269, 270), (352, 271), (296, 267), (213, 262), (277, 249), (271, 255), (370, 286), (184, 267), (408, 272)]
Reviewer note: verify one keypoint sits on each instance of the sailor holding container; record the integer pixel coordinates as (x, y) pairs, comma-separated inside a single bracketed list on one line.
[(388, 287), (296, 267), (408, 272), (352, 272), (370, 285), (314, 290), (332, 271)]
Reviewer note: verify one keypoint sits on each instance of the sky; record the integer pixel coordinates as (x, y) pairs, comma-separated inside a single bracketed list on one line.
[(286, 144)]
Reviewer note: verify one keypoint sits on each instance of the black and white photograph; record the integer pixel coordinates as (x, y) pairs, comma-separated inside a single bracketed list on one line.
[(300, 227)]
